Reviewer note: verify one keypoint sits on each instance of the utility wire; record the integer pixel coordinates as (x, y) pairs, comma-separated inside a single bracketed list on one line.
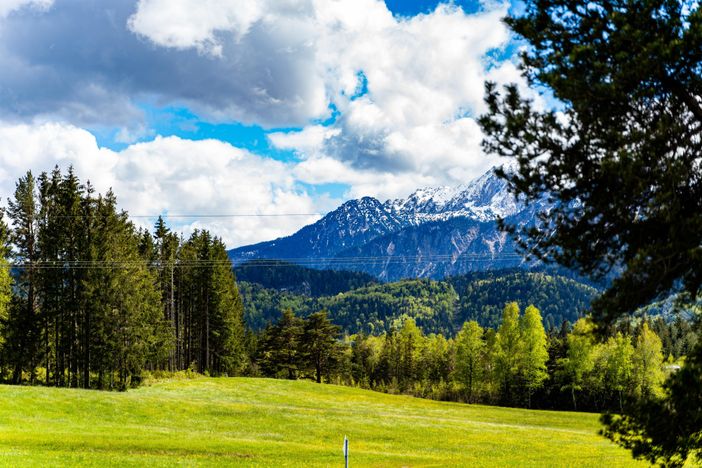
[(270, 263)]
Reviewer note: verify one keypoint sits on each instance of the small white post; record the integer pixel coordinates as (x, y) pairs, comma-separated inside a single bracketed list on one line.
[(346, 452)]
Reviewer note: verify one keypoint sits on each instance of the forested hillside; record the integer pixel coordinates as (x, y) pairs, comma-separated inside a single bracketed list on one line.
[(436, 306), (372, 310), (558, 298), (285, 276)]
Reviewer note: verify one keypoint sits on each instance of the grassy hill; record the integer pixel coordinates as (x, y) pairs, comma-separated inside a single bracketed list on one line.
[(258, 422)]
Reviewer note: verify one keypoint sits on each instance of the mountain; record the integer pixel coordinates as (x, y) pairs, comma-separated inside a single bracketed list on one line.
[(433, 233)]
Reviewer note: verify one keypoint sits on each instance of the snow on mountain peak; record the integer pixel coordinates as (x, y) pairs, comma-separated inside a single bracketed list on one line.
[(485, 198)]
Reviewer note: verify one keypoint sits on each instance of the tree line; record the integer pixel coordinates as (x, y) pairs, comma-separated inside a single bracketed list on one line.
[(436, 306), (517, 364), (89, 300)]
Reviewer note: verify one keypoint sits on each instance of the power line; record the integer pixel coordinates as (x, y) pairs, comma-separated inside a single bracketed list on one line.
[(195, 215), (269, 263)]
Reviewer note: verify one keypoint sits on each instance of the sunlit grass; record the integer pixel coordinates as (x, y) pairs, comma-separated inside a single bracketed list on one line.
[(261, 422)]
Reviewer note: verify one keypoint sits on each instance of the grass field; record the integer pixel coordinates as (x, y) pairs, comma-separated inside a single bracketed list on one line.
[(260, 422)]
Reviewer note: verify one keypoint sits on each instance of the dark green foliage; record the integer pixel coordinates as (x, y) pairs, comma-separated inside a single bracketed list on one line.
[(557, 298), (382, 307), (24, 319), (320, 348), (371, 310), (285, 276), (293, 347), (621, 164), (279, 350), (97, 301), (435, 306)]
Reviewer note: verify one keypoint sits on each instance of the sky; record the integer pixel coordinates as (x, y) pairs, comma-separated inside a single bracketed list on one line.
[(249, 117)]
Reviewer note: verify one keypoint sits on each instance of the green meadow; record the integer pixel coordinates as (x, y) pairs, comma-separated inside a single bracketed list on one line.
[(262, 422)]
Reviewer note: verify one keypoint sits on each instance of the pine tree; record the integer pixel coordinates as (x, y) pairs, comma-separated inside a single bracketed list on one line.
[(165, 251), (319, 347), (128, 321), (23, 212), (619, 160), (280, 346), (227, 310)]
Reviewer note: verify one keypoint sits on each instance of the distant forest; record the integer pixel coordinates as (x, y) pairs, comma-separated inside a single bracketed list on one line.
[(89, 300), (436, 306)]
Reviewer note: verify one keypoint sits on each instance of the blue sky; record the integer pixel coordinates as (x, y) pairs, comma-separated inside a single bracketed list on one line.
[(252, 106)]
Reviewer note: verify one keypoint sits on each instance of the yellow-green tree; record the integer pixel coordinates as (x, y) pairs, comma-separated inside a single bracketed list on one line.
[(648, 363), (470, 352), (508, 349), (579, 360), (534, 351)]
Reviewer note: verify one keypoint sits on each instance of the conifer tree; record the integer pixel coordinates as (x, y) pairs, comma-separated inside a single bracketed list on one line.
[(280, 346), (227, 323), (319, 346), (23, 212)]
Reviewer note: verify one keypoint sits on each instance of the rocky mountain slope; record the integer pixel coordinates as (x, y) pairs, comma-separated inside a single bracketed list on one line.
[(433, 233)]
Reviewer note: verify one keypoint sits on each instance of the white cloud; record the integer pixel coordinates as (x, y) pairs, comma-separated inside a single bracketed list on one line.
[(171, 175), (406, 93), (193, 23), (425, 84), (307, 141), (8, 6)]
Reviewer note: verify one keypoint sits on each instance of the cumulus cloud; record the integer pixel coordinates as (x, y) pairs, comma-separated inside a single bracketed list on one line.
[(403, 92), (168, 175), (8, 6), (83, 63)]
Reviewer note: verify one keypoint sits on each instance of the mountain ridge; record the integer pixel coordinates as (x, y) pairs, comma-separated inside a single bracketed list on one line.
[(433, 233)]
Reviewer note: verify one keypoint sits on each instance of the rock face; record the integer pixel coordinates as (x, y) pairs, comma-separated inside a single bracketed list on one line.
[(433, 233)]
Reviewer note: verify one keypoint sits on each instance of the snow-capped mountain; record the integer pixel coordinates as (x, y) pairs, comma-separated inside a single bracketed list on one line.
[(432, 233), (484, 199)]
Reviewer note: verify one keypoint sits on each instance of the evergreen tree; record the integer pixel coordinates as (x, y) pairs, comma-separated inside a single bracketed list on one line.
[(319, 346), (23, 320), (227, 322), (165, 250), (620, 160), (128, 322), (280, 346)]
